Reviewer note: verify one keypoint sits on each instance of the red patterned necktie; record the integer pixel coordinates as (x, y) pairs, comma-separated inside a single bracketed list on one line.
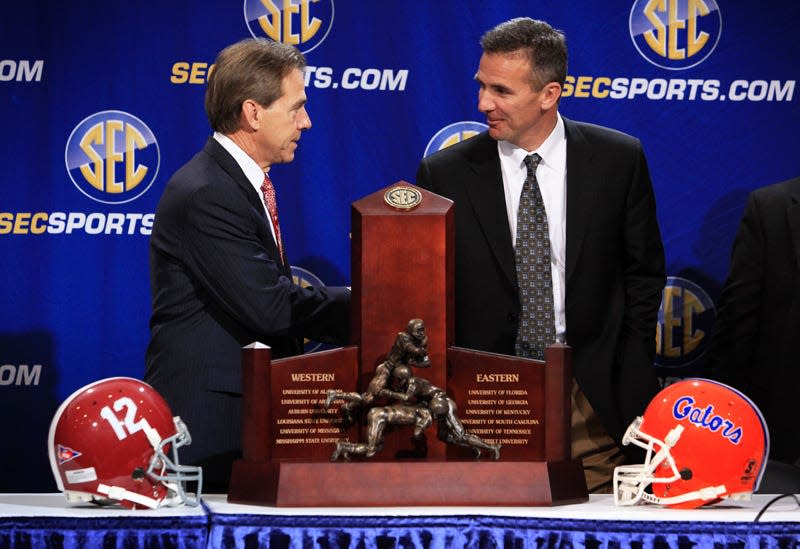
[(272, 207)]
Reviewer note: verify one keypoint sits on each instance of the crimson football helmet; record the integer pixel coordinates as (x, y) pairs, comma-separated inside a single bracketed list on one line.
[(705, 442), (116, 441)]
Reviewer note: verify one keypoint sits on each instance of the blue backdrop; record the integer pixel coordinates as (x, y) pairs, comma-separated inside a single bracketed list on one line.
[(101, 102)]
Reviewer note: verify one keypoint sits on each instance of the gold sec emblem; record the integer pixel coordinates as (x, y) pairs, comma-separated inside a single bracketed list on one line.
[(403, 197)]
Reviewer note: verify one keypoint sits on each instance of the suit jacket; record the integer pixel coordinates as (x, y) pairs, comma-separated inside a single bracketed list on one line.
[(217, 284), (614, 262), (755, 340)]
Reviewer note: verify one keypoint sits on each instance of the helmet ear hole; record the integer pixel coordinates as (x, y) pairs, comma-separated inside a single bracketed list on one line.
[(686, 474), (138, 473)]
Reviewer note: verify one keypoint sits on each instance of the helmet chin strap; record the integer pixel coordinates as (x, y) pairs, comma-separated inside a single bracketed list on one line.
[(121, 494), (703, 494)]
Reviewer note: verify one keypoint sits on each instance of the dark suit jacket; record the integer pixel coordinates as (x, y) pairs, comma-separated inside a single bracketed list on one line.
[(217, 284), (755, 340), (614, 262)]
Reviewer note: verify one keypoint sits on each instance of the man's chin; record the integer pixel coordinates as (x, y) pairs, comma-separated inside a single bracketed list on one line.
[(495, 134)]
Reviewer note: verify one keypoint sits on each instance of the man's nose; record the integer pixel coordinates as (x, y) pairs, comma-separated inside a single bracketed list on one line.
[(485, 103), (305, 120)]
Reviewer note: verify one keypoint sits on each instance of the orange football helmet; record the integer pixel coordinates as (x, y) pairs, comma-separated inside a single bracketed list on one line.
[(705, 442)]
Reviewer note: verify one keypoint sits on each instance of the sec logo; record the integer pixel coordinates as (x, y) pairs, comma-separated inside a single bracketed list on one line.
[(302, 23), (684, 323), (403, 197), (112, 157), (675, 34)]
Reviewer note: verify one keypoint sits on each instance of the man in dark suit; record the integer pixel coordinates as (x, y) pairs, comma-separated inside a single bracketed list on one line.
[(219, 275), (606, 258), (755, 337)]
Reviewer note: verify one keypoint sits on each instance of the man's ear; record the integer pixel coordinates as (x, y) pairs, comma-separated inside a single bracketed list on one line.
[(250, 115), (551, 93)]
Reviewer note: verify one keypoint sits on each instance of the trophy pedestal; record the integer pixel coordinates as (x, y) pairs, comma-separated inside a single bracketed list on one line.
[(400, 484)]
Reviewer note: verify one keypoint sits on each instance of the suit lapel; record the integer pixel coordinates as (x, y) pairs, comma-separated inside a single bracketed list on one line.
[(232, 168), (228, 163), (580, 192), (487, 199)]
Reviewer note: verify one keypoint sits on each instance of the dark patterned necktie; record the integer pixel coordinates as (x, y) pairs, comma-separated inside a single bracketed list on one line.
[(534, 277), (272, 207)]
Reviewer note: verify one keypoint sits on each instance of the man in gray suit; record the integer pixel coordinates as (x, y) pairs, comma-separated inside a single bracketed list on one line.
[(218, 271), (606, 256)]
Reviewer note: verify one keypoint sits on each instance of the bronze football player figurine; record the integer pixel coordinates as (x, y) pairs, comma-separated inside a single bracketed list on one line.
[(415, 401), (378, 419), (410, 347), (443, 409)]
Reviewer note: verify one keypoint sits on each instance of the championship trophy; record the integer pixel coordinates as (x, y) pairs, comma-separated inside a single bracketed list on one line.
[(402, 417)]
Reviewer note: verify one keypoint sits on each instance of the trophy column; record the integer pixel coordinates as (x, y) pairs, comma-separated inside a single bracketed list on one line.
[(402, 268)]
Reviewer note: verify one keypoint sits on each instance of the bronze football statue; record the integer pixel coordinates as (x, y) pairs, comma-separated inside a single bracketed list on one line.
[(410, 347), (410, 400)]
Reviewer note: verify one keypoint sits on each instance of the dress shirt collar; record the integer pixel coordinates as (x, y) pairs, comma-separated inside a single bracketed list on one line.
[(251, 169), (552, 151)]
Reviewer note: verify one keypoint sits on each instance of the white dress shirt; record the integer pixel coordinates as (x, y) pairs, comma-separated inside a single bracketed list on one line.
[(552, 177)]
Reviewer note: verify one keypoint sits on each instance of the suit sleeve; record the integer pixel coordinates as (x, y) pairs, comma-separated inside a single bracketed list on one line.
[(644, 256), (736, 327), (644, 279), (231, 263)]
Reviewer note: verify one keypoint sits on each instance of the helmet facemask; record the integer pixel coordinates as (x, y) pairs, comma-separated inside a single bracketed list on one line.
[(632, 481), (168, 470)]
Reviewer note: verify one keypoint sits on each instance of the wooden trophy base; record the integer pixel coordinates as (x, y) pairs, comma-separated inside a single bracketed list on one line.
[(408, 483)]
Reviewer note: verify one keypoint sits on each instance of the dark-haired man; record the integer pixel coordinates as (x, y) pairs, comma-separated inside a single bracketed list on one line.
[(219, 274), (590, 261)]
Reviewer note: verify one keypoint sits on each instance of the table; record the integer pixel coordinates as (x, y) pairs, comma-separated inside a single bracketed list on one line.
[(39, 520), (597, 523), (47, 520)]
